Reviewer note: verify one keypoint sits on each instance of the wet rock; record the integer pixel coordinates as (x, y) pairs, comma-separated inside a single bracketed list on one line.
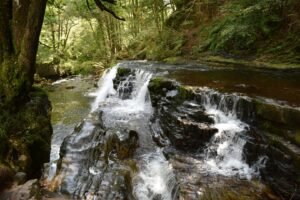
[(279, 120), (123, 142), (197, 185), (48, 70), (70, 87), (126, 88), (100, 169), (20, 178), (274, 142), (181, 120), (29, 190), (159, 87), (127, 145), (241, 106), (281, 169), (277, 161), (187, 134), (187, 128), (116, 184)]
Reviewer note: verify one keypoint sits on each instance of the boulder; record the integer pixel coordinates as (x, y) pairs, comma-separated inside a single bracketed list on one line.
[(28, 191), (181, 119), (47, 70), (20, 178), (188, 129), (123, 143), (27, 134)]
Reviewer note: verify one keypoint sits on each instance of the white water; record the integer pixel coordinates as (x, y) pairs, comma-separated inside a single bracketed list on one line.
[(117, 110), (224, 153), (156, 178), (106, 87), (63, 81)]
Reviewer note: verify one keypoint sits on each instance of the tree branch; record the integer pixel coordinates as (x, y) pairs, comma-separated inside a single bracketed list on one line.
[(88, 5), (104, 8)]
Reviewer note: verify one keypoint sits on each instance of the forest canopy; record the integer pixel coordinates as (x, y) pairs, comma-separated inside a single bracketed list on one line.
[(78, 32)]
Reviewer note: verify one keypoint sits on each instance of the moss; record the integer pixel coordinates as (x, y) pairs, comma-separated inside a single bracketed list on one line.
[(26, 133), (281, 121), (173, 60), (84, 69), (157, 84), (184, 93), (278, 114), (278, 143), (123, 71)]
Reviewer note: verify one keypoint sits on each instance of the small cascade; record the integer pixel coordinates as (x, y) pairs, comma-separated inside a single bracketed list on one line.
[(224, 152), (119, 111), (232, 104), (156, 180), (85, 169), (158, 140), (105, 87)]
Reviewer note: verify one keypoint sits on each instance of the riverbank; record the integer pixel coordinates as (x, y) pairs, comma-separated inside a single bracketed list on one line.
[(219, 61)]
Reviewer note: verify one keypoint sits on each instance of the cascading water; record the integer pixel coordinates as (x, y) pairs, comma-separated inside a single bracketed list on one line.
[(189, 145), (224, 152), (82, 166), (106, 88), (155, 179)]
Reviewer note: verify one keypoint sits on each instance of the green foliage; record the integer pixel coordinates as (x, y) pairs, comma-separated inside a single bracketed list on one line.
[(243, 26), (166, 44), (160, 30)]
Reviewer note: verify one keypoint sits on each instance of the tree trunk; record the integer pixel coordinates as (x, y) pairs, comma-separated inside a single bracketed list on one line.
[(20, 26)]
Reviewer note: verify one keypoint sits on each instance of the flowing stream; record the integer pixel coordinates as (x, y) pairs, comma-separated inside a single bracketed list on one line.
[(81, 167)]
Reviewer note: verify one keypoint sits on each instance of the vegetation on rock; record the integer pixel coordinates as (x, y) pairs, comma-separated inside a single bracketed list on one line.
[(26, 134)]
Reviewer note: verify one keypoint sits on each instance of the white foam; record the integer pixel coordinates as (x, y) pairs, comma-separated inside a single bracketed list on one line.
[(155, 179), (116, 109), (224, 153), (106, 87)]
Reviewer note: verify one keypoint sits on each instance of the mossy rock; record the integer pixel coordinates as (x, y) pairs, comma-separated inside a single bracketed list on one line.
[(173, 60), (123, 72), (26, 134), (159, 87), (278, 114), (279, 120)]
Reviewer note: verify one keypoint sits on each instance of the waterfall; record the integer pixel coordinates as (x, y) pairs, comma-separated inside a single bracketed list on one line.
[(125, 106), (156, 180), (224, 152), (118, 110), (105, 87)]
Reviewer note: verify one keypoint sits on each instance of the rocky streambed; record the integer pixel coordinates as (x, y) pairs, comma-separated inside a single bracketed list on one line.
[(142, 135)]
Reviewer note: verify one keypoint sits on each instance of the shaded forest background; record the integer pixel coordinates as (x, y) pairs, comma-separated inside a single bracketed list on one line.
[(82, 38)]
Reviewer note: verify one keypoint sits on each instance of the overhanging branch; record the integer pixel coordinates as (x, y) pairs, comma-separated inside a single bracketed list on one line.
[(104, 8)]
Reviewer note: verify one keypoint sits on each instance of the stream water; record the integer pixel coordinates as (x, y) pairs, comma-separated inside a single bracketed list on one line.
[(84, 166)]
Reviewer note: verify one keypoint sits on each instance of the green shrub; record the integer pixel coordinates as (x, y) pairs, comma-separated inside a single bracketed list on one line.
[(244, 25)]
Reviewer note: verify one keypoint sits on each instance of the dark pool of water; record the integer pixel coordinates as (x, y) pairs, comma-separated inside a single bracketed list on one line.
[(282, 87)]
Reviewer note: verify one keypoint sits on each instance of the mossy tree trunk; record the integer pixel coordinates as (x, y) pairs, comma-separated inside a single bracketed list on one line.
[(20, 26)]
